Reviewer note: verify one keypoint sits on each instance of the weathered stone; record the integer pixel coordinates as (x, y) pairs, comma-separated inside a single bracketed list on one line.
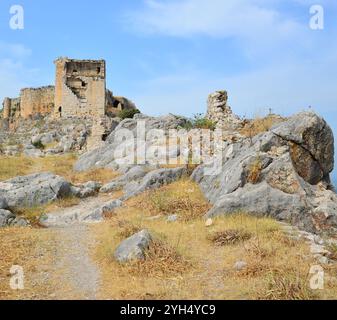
[(311, 138), (234, 172), (134, 174), (107, 157), (283, 173), (5, 217), (153, 180), (3, 203), (89, 211), (134, 247), (172, 218), (263, 200), (34, 190), (240, 265)]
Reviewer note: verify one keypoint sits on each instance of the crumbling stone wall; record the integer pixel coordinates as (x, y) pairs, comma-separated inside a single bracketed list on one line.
[(114, 105), (220, 113), (11, 108), (6, 108), (36, 101), (80, 88)]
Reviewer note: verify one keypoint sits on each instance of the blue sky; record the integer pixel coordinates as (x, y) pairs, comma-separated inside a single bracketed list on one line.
[(168, 55)]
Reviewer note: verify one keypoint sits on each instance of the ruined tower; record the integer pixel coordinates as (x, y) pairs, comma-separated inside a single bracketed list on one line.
[(6, 108), (80, 88)]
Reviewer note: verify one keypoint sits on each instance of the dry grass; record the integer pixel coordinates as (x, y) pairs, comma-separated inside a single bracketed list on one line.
[(185, 264), (23, 247), (229, 237), (182, 198), (60, 165), (287, 285), (182, 263), (255, 171), (161, 260), (33, 214), (260, 125)]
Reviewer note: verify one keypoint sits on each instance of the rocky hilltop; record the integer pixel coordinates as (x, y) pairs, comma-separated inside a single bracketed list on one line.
[(282, 172), (215, 206)]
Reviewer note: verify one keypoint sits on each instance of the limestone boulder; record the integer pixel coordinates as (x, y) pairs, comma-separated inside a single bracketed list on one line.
[(133, 248), (108, 156), (283, 173), (134, 174), (34, 190), (3, 203), (153, 180), (312, 145)]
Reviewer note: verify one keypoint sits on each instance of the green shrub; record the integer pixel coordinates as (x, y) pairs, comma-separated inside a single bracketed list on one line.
[(199, 121), (39, 145), (128, 113)]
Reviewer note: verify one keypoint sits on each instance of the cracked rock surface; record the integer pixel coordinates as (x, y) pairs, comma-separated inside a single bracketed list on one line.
[(283, 173)]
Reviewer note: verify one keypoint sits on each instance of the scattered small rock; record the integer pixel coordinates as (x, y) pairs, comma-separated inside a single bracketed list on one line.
[(209, 222), (240, 265), (172, 218)]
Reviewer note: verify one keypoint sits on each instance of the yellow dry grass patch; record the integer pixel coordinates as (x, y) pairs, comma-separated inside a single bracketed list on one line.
[(24, 247), (61, 165), (183, 198), (259, 125), (33, 214), (194, 266)]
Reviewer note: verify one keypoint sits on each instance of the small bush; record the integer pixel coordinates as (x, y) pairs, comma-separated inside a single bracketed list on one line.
[(199, 122), (127, 229), (254, 173), (160, 260), (229, 237), (286, 285), (260, 125), (39, 145), (128, 113), (168, 202)]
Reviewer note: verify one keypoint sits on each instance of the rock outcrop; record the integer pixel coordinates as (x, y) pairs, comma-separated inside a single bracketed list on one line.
[(153, 180), (106, 157), (33, 190), (283, 173)]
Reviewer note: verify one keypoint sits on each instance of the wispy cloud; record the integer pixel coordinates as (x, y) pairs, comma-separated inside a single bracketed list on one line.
[(14, 74), (14, 51), (216, 18)]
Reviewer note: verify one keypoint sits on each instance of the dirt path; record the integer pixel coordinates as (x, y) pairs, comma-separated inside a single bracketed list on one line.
[(74, 269), (70, 270)]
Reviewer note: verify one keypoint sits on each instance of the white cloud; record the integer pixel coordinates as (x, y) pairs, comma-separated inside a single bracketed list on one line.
[(14, 51), (217, 18), (14, 75)]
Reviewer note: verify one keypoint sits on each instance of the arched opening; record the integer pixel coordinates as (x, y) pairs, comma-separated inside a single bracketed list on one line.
[(60, 112)]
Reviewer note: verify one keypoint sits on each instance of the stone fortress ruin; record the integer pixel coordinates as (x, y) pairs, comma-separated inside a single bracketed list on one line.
[(80, 90)]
